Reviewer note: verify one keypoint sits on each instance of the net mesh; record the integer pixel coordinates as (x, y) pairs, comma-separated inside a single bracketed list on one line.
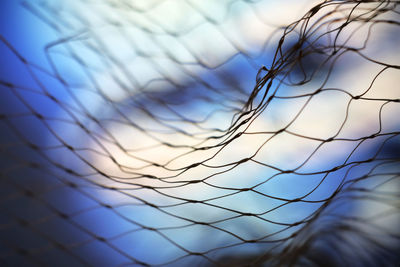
[(184, 132)]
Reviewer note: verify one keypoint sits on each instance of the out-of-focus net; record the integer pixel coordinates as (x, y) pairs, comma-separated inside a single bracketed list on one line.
[(196, 132)]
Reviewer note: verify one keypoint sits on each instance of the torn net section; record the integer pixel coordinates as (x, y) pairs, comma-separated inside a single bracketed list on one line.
[(155, 135)]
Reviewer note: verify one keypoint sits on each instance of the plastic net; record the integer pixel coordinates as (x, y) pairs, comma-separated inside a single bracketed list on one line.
[(175, 133)]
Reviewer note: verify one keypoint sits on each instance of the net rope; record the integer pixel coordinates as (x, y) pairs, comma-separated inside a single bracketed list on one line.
[(153, 142)]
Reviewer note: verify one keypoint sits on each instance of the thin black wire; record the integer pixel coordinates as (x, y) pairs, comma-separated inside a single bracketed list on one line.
[(316, 37)]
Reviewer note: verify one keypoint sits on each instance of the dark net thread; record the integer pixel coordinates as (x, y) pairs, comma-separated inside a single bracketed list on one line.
[(213, 192)]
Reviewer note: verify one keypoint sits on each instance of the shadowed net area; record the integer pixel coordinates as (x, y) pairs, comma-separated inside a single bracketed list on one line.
[(199, 133)]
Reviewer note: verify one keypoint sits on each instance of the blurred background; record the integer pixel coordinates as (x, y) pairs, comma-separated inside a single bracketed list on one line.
[(204, 133)]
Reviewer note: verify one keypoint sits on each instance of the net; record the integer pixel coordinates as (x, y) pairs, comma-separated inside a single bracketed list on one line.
[(175, 133)]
